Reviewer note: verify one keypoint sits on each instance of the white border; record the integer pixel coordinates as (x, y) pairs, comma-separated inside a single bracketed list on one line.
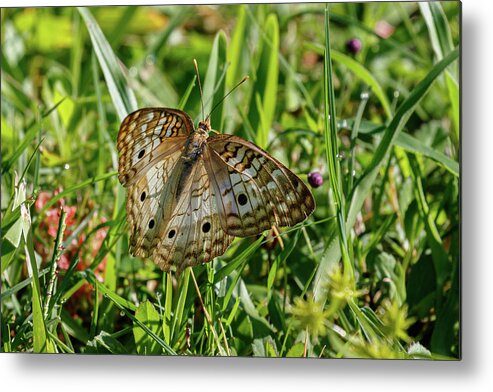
[(473, 373)]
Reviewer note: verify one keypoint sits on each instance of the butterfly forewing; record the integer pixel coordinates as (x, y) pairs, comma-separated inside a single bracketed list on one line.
[(144, 138), (257, 191)]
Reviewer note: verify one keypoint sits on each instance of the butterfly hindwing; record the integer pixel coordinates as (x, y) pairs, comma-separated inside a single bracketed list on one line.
[(150, 143), (148, 205), (193, 234)]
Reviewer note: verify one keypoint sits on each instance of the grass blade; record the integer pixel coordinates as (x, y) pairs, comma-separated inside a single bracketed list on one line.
[(121, 93)]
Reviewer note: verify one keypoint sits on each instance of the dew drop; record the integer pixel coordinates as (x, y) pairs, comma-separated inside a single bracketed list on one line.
[(133, 71), (150, 59)]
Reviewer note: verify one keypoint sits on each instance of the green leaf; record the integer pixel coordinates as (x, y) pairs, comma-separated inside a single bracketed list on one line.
[(266, 83), (238, 260), (237, 48), (148, 315), (296, 351), (410, 143)]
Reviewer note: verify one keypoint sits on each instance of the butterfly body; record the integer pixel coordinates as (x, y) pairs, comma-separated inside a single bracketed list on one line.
[(189, 194)]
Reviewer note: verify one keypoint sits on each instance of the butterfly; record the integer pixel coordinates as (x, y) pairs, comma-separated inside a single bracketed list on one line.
[(189, 194)]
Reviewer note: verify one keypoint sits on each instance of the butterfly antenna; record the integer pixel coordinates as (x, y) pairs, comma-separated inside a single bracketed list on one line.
[(200, 86), (245, 78)]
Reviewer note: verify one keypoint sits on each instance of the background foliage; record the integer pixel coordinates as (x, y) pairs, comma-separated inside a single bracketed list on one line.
[(375, 270)]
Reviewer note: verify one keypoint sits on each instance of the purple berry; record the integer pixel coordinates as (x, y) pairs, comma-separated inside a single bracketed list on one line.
[(315, 179), (353, 45)]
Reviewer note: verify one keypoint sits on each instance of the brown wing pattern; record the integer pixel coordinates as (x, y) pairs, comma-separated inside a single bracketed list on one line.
[(144, 138), (256, 190), (185, 208), (148, 206), (150, 143), (193, 235)]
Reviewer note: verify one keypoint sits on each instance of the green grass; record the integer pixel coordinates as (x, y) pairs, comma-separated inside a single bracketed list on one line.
[(373, 273)]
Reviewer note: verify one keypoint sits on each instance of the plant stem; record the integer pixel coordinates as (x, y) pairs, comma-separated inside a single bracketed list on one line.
[(57, 252)]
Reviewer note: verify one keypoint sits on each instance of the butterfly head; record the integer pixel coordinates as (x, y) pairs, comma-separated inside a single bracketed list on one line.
[(205, 126)]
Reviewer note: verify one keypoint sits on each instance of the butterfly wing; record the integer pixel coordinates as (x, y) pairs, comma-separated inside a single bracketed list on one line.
[(147, 136), (256, 190), (193, 234), (150, 143)]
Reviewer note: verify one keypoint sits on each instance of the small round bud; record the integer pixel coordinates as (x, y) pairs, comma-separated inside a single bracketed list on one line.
[(353, 45), (315, 179)]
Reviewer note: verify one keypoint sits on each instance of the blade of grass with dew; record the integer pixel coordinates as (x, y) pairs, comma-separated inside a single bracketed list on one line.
[(214, 84), (331, 149), (354, 134), (394, 128), (122, 302), (151, 333), (121, 94), (364, 184), (412, 144)]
